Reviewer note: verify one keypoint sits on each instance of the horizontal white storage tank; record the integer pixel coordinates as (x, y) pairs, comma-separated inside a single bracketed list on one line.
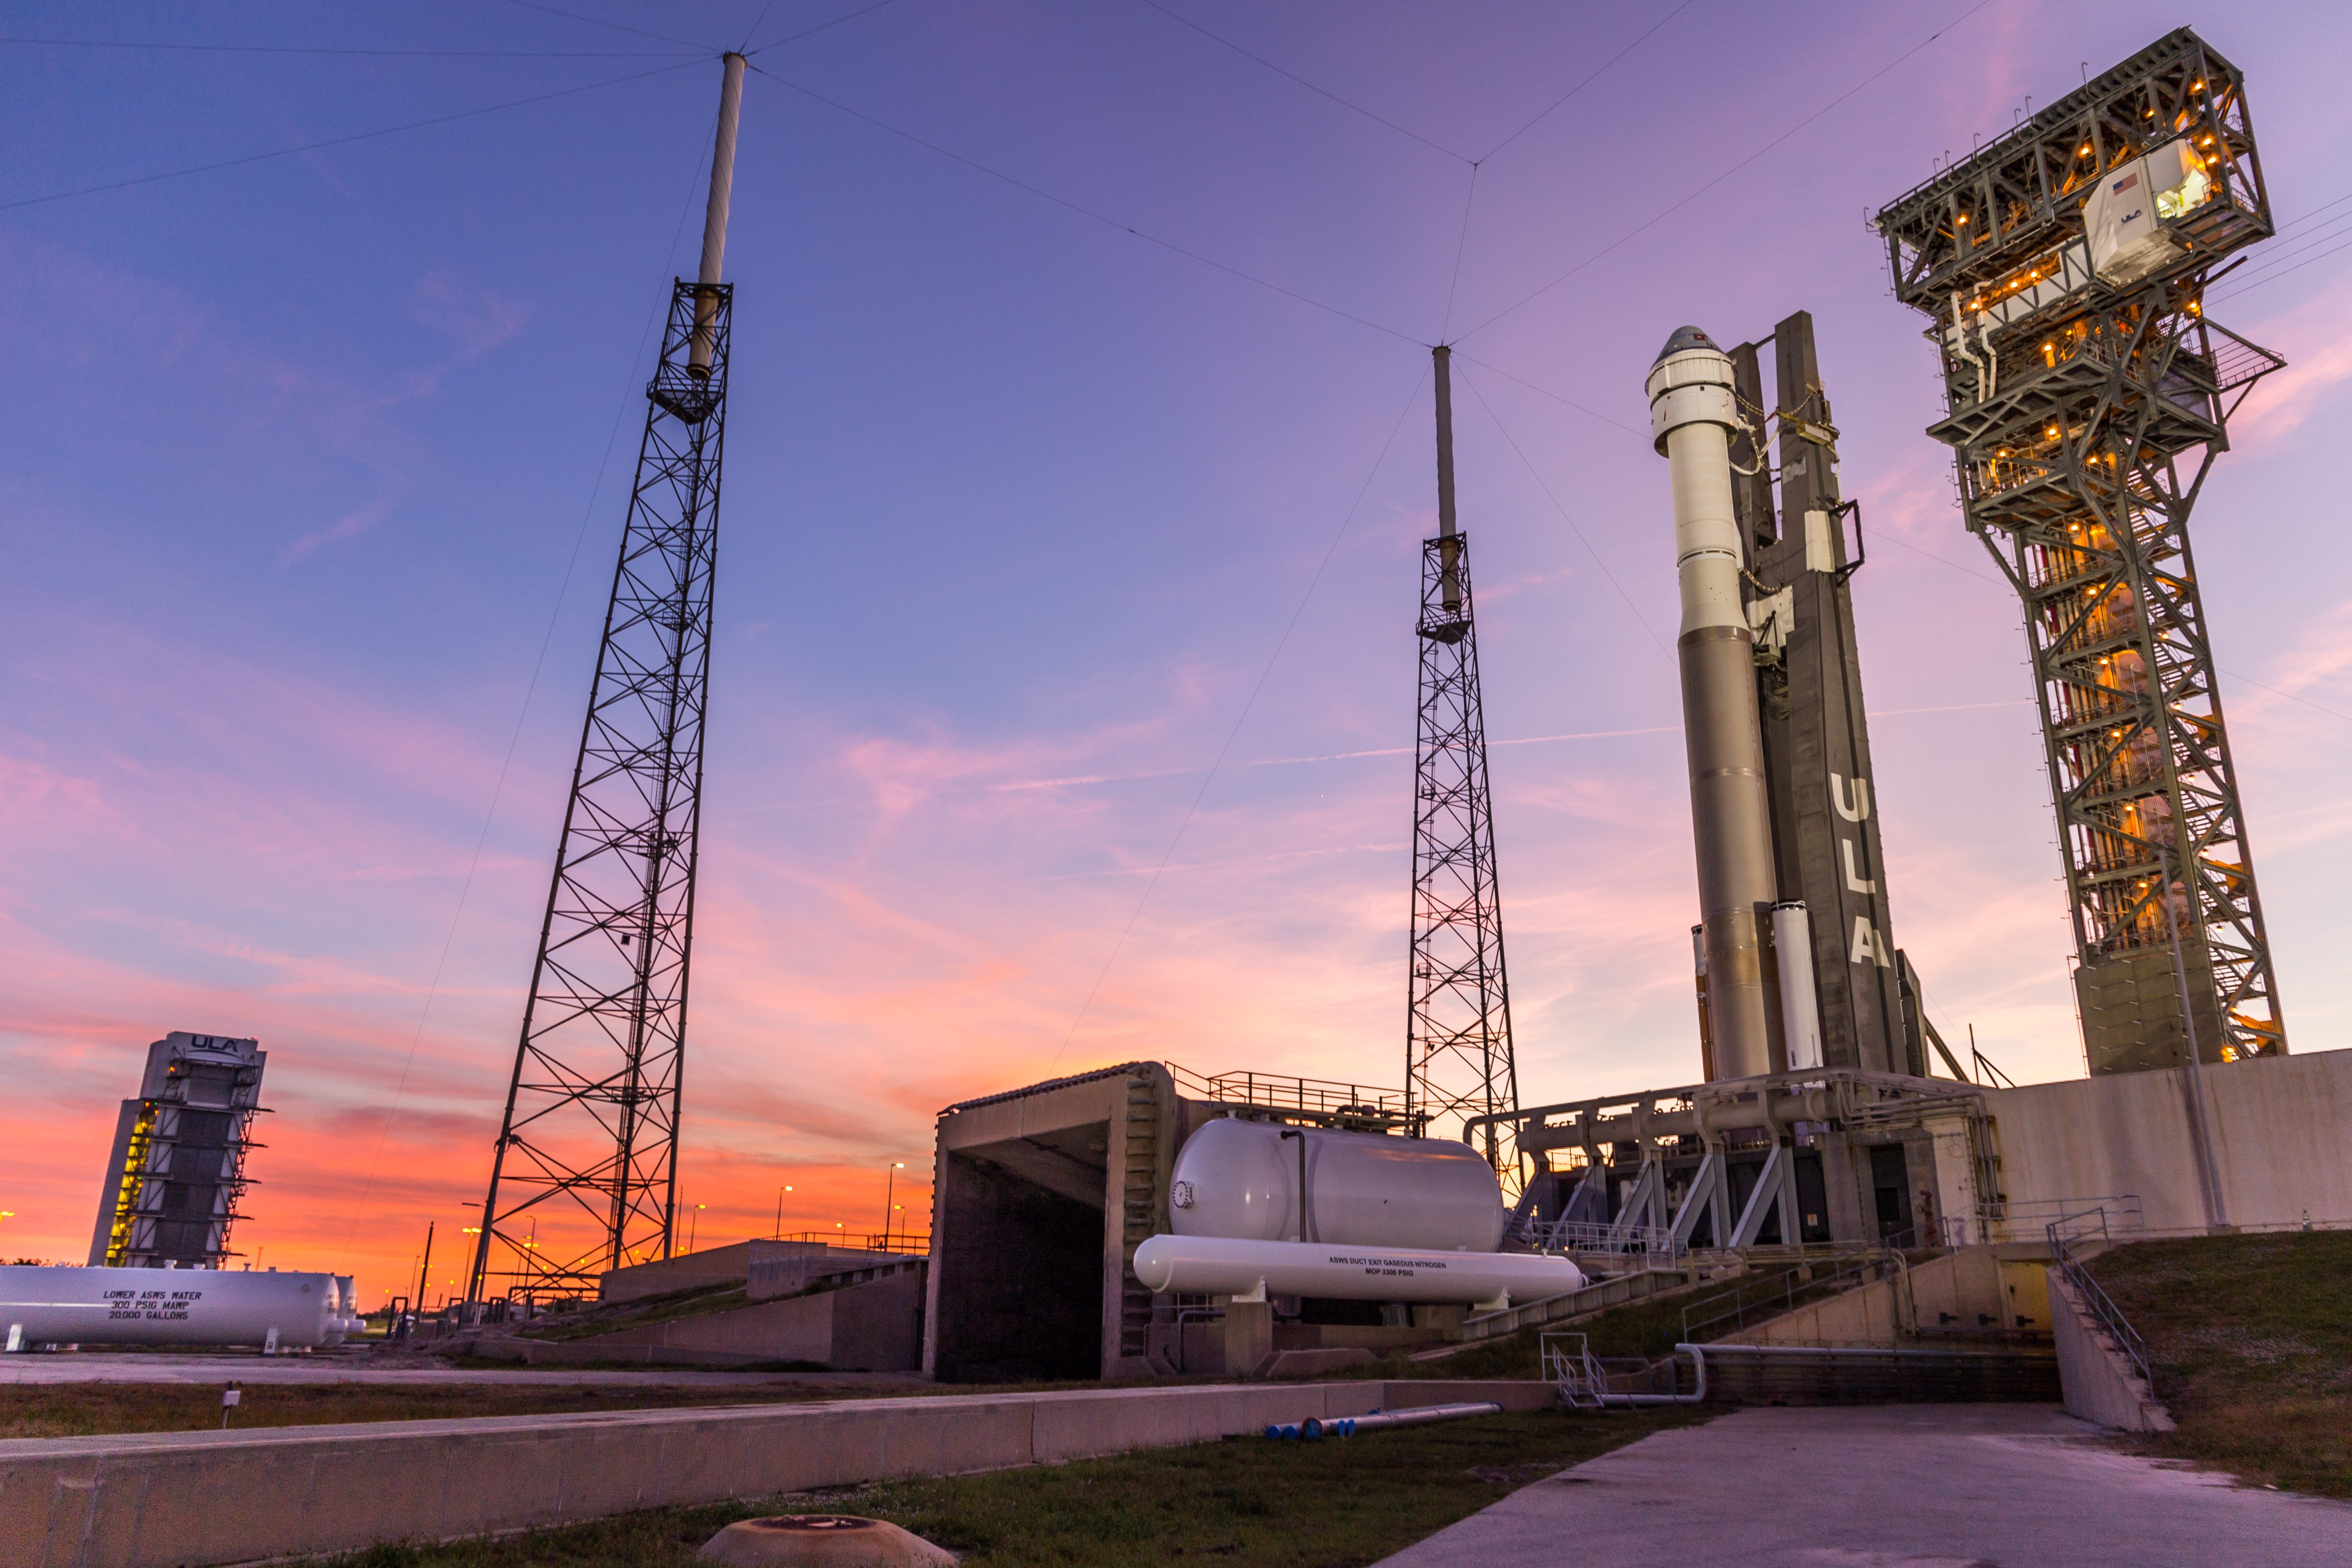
[(1241, 1180), (1210, 1265), (170, 1306)]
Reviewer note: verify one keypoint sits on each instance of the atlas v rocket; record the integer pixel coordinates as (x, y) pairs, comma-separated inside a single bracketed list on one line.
[(1794, 966)]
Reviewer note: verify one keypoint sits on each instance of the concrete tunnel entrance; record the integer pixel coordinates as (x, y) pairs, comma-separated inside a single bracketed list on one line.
[(1041, 1197), (1020, 1258)]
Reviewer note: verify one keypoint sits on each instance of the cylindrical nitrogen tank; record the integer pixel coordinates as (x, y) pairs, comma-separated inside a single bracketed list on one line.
[(1241, 1180), (1217, 1266), (165, 1306), (347, 1320)]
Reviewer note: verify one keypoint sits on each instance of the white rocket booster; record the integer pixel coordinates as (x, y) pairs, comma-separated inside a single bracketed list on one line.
[(1692, 415)]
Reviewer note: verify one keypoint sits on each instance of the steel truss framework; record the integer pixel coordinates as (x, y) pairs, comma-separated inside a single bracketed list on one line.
[(2084, 419), (584, 1177), (1458, 1061), (184, 1176)]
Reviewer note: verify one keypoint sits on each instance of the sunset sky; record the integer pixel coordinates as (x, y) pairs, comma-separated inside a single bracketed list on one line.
[(1079, 452)]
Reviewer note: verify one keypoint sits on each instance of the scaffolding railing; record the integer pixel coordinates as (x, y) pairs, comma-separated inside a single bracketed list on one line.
[(1589, 1236), (1315, 1099)]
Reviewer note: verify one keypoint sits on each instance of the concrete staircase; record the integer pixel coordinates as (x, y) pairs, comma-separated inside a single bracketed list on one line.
[(2101, 1380), (1569, 1306)]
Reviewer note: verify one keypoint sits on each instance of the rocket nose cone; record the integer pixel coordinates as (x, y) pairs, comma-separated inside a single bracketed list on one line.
[(1683, 338)]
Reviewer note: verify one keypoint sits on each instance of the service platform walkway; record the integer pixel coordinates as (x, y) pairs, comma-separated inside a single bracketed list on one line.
[(1924, 1486)]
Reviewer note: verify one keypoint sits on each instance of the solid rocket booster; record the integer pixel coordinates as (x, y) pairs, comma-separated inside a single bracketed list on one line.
[(1692, 416)]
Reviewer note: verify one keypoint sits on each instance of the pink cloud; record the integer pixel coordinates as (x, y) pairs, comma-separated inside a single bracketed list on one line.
[(351, 525)]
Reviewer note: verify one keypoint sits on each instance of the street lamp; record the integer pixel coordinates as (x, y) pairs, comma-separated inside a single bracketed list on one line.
[(889, 1179), (690, 1224), (780, 1207)]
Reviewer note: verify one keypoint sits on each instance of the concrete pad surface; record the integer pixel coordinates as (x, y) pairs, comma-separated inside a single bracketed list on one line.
[(1924, 1486), (168, 1499), (216, 1369)]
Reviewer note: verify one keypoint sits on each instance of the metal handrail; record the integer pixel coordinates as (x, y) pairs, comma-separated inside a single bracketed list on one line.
[(1582, 1379), (1782, 1293), (1306, 1096), (1589, 1236), (2064, 1233)]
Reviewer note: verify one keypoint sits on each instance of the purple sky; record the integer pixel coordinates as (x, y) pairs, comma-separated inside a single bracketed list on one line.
[(1020, 511)]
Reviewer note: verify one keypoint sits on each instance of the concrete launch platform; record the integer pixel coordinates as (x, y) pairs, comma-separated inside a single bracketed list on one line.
[(1926, 1486)]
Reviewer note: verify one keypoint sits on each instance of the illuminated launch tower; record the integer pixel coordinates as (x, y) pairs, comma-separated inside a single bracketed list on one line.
[(584, 1177), (2064, 268), (1459, 1015)]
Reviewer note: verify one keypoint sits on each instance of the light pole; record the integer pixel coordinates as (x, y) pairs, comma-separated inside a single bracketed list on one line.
[(691, 1225), (890, 1185), (780, 1209)]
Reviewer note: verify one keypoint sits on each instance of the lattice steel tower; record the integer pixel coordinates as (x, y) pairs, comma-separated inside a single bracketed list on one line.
[(1457, 1053), (2064, 265), (585, 1174)]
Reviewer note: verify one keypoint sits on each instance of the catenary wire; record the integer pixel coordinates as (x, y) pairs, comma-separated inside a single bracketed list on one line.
[(2274, 277), (1239, 719), (1651, 223), (2318, 235), (1302, 81), (317, 49), (339, 140), (766, 6), (808, 32), (1461, 247), (616, 27), (2255, 278), (1564, 515), (1547, 391), (1594, 76), (1043, 193)]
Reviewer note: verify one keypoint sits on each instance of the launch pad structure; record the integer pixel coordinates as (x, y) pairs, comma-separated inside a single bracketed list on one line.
[(589, 1142), (2064, 267)]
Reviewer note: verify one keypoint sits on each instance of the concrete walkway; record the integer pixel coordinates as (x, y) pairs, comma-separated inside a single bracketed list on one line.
[(1925, 1486), (99, 1366)]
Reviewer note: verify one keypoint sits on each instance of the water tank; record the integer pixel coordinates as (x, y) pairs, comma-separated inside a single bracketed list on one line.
[(1241, 1180), (167, 1306)]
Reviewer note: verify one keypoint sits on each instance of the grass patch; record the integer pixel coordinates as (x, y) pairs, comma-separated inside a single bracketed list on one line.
[(696, 1301), (91, 1409), (1245, 1502), (2250, 1341)]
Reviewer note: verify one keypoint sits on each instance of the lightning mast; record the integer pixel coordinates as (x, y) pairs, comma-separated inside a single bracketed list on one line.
[(584, 1176), (1458, 1015), (2064, 268)]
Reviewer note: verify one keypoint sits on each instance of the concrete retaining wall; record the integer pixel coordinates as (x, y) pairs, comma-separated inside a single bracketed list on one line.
[(1974, 1292), (874, 1327), (157, 1499), (2278, 1135)]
